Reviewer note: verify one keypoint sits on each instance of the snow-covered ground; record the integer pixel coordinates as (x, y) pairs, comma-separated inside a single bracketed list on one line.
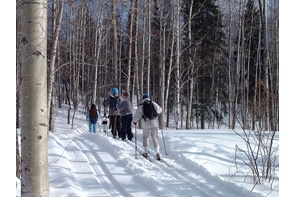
[(197, 163)]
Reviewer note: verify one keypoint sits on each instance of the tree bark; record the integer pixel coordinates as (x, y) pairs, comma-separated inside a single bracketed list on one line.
[(34, 140), (115, 44), (177, 64), (131, 14)]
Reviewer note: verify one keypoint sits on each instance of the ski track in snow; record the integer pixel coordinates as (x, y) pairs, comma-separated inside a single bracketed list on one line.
[(109, 168)]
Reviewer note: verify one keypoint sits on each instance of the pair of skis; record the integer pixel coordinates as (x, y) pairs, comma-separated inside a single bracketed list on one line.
[(148, 158), (152, 160)]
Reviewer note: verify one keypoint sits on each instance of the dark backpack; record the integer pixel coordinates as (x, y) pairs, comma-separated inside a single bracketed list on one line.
[(93, 119), (113, 102), (149, 111)]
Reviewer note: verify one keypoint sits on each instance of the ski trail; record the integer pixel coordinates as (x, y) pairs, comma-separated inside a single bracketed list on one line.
[(158, 179), (101, 173), (103, 166), (196, 177), (118, 177)]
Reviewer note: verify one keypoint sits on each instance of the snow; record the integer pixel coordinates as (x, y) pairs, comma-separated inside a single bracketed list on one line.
[(197, 163)]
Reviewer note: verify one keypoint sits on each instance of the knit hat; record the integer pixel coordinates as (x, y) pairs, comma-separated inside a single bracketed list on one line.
[(115, 90), (144, 96), (125, 94)]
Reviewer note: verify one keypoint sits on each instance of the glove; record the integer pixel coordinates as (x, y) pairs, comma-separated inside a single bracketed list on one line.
[(135, 123)]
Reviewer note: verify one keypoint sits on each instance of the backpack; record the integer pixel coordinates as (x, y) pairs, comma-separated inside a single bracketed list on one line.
[(113, 102), (93, 119), (149, 111)]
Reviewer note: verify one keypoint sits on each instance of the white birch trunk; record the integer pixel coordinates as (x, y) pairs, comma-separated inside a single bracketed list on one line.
[(177, 65), (136, 60), (130, 46), (149, 48), (53, 55), (191, 74), (115, 45), (34, 122)]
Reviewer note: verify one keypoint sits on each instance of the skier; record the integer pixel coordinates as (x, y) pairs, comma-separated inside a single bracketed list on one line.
[(114, 114), (149, 126), (92, 117), (125, 109)]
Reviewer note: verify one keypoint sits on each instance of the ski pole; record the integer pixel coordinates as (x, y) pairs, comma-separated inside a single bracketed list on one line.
[(164, 142), (135, 142)]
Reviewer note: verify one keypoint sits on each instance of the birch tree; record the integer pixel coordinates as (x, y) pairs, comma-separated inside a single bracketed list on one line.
[(56, 31), (115, 42), (98, 45), (34, 138), (131, 25), (136, 47), (148, 74), (163, 28), (177, 63)]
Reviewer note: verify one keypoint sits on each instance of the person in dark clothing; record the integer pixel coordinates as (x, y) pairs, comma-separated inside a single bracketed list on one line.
[(125, 109), (92, 117), (114, 113)]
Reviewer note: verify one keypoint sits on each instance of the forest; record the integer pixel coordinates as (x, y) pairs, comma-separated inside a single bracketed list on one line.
[(206, 62)]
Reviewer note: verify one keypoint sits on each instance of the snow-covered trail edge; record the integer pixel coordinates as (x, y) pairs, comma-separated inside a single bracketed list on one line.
[(116, 171)]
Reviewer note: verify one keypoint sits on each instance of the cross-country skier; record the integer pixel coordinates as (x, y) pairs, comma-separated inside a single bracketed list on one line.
[(149, 127)]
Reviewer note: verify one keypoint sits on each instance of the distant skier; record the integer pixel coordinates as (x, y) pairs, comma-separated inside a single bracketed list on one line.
[(92, 117), (149, 122)]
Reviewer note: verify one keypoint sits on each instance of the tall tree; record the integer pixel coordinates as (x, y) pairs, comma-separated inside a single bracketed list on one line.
[(177, 6), (34, 139), (207, 29), (56, 25), (265, 62), (115, 43), (251, 39), (131, 46)]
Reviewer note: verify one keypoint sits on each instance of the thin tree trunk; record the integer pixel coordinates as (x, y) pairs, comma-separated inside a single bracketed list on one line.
[(130, 45), (162, 66), (139, 87), (230, 86), (177, 64), (136, 58), (50, 95), (191, 71), (265, 60), (97, 49), (115, 45), (148, 75), (169, 74)]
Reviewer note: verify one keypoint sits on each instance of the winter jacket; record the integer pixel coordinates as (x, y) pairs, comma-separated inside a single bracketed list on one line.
[(148, 123), (112, 102), (125, 107)]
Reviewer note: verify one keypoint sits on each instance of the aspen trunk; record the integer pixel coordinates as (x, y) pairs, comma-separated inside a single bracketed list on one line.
[(34, 122), (177, 64)]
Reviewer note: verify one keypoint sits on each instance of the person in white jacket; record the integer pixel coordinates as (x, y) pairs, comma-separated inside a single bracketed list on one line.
[(149, 127)]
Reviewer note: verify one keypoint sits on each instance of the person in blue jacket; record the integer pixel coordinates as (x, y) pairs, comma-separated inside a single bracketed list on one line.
[(93, 116)]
